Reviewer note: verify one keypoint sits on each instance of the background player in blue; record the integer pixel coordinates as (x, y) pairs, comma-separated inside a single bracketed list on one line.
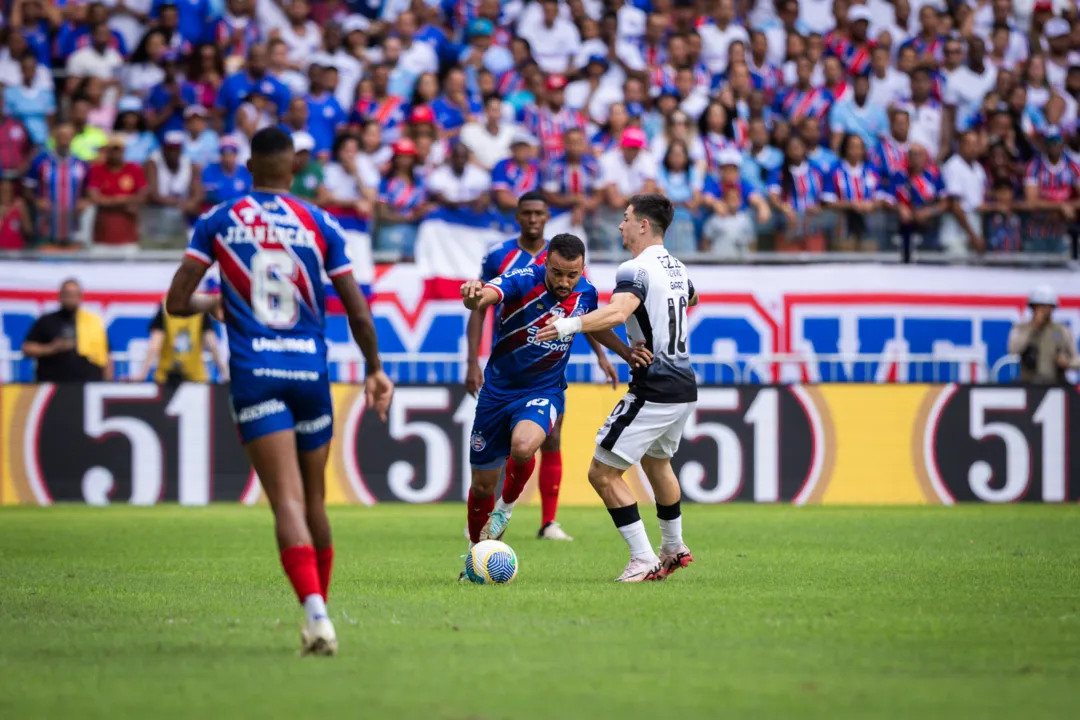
[(525, 383), (272, 250), (529, 248)]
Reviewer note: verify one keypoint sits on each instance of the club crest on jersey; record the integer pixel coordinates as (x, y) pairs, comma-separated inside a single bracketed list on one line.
[(558, 311), (477, 442)]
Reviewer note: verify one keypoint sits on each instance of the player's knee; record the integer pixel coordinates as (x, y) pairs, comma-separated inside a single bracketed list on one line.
[(521, 450), (599, 476)]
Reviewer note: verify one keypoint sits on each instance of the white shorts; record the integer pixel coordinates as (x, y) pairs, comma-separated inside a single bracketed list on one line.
[(636, 428)]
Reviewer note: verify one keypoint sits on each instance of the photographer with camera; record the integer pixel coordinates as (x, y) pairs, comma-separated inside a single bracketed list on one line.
[(1046, 348)]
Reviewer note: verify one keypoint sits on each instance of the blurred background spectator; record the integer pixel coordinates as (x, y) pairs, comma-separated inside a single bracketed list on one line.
[(652, 93), (69, 344)]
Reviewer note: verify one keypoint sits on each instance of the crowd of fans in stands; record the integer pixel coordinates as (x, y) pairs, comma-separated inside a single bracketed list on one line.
[(771, 124)]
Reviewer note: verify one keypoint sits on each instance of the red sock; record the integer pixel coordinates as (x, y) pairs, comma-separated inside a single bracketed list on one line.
[(479, 509), (516, 478), (325, 559), (550, 479), (303, 570)]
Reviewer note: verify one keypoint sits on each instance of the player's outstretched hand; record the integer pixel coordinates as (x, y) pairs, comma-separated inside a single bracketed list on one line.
[(640, 356), (378, 391), (609, 371), (471, 292)]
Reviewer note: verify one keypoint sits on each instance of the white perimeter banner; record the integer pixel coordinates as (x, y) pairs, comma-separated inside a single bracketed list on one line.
[(745, 311)]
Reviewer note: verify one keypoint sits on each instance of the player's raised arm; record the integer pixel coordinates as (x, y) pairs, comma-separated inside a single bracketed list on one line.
[(477, 296)]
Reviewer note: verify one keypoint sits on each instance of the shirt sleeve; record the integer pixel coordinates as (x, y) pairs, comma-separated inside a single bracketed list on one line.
[(94, 178), (631, 278), (39, 332), (336, 260), (158, 323), (499, 178), (514, 284), (489, 267), (201, 247)]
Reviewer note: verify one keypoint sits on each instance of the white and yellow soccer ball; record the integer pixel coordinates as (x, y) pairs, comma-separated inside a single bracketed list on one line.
[(491, 562)]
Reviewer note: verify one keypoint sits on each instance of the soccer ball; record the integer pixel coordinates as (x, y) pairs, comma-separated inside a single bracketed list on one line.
[(491, 562)]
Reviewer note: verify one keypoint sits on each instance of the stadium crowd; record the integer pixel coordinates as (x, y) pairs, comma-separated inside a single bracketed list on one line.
[(771, 124)]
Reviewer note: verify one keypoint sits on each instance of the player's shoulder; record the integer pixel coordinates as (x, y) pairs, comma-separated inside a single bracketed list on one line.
[(585, 287)]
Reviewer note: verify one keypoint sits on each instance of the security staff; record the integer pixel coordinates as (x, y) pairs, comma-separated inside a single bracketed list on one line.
[(69, 345), (1046, 348), (176, 347)]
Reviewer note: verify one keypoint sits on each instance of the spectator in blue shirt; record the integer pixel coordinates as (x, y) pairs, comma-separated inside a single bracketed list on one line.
[(324, 113), (760, 159), (236, 88), (195, 17), (820, 156), (227, 179), (454, 107), (858, 117), (167, 100), (33, 107), (200, 142), (481, 52), (139, 142)]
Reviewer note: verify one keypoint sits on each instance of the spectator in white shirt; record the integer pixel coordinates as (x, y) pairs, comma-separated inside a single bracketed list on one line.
[(458, 185), (888, 86), (302, 36), (624, 171), (98, 59), (351, 185), (968, 85), (555, 41), (965, 182), (928, 126), (416, 57), (490, 140), (716, 38)]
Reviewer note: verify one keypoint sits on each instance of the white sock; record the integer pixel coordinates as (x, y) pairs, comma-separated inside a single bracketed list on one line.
[(315, 608), (637, 538), (671, 533), (504, 507)]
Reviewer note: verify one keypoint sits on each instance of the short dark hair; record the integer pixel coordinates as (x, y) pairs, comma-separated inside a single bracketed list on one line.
[(533, 196), (271, 141), (568, 246), (655, 208)]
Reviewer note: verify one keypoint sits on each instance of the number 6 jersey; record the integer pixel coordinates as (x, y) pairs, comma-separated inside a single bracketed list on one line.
[(663, 286), (272, 250)]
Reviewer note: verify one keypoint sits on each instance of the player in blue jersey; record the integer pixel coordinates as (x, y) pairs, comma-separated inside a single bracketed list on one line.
[(529, 248), (272, 250), (524, 382)]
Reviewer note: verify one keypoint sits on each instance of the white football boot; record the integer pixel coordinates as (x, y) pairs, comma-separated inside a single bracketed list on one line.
[(642, 570), (672, 560), (553, 531), (318, 638)]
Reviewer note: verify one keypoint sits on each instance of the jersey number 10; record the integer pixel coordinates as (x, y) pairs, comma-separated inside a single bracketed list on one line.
[(676, 326)]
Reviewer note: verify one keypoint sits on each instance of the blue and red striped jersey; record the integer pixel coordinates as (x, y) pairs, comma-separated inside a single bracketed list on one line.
[(61, 181), (795, 104), (918, 191), (853, 184), (506, 256), (272, 250), (518, 360), (518, 179), (1057, 182)]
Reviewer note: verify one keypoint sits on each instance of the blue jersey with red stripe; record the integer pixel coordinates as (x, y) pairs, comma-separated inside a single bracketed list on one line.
[(518, 360), (506, 256), (795, 104), (921, 190), (518, 179), (61, 181), (272, 249)]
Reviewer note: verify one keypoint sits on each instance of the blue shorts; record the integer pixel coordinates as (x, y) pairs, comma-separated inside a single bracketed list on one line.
[(264, 405), (498, 413)]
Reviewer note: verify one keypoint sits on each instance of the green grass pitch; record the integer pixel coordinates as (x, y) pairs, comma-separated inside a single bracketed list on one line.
[(788, 612)]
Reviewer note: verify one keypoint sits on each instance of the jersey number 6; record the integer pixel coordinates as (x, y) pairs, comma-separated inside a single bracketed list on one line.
[(272, 293)]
